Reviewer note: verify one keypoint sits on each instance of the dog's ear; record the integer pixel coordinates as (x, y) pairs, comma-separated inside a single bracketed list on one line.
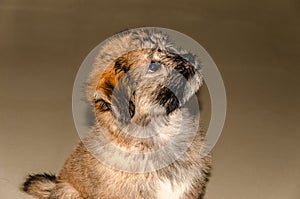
[(107, 82), (102, 95), (114, 91)]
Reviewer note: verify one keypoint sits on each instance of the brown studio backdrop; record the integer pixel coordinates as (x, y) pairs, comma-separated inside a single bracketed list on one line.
[(254, 43)]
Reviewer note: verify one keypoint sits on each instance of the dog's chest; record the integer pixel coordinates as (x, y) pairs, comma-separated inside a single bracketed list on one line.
[(168, 190)]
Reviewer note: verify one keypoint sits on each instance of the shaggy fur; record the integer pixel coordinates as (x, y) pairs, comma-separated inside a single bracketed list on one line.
[(146, 142)]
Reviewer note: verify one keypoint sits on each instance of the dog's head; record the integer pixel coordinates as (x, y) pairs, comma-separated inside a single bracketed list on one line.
[(144, 81)]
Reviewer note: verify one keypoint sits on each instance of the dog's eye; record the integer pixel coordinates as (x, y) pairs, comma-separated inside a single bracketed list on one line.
[(153, 67)]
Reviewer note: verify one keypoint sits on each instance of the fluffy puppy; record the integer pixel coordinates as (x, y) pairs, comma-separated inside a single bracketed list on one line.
[(146, 143)]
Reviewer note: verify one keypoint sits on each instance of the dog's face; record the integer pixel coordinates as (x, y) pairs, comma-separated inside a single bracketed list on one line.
[(145, 84)]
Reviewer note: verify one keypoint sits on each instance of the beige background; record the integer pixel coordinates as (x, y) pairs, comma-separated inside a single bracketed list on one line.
[(254, 43)]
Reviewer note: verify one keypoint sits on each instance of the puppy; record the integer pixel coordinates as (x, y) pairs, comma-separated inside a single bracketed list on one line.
[(146, 143)]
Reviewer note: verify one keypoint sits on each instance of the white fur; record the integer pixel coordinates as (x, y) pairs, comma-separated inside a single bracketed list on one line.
[(167, 191)]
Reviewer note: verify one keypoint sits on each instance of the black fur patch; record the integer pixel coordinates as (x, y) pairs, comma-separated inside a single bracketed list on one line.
[(168, 99), (121, 65), (131, 108), (38, 177), (184, 67)]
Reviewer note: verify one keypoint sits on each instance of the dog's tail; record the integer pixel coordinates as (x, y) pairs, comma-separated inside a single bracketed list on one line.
[(39, 185)]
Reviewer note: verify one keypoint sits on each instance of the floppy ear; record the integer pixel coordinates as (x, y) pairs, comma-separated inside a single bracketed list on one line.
[(104, 89), (114, 91), (106, 84)]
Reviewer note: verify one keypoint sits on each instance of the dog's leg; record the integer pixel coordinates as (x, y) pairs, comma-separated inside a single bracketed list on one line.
[(64, 190)]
